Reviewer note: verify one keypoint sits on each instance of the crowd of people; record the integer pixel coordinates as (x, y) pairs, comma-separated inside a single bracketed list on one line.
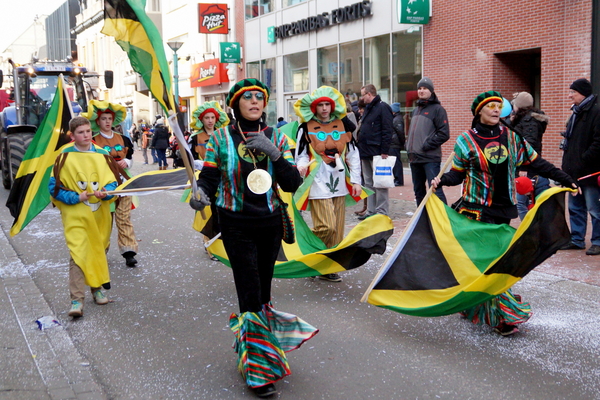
[(244, 163)]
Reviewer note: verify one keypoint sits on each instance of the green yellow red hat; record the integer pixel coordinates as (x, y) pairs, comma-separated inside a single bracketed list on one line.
[(207, 107), (243, 86), (97, 107), (306, 107), (484, 98)]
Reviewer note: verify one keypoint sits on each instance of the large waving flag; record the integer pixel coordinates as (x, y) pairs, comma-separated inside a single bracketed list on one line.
[(308, 256), (29, 194), (446, 262), (134, 31)]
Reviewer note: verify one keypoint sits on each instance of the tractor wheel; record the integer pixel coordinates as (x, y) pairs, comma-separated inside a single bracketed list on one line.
[(17, 145), (6, 178)]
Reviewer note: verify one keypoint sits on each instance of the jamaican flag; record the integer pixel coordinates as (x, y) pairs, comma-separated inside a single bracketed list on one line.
[(446, 262), (134, 31), (154, 181), (308, 256), (290, 130), (29, 194)]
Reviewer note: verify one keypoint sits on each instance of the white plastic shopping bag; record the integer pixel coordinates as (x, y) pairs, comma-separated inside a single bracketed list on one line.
[(383, 176)]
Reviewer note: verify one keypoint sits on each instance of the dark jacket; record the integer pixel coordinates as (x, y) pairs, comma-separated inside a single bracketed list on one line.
[(532, 127), (429, 130), (398, 138), (376, 129), (160, 138), (582, 156)]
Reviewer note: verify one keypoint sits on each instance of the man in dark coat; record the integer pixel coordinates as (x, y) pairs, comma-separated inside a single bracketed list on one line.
[(428, 131), (398, 140), (374, 139), (581, 157)]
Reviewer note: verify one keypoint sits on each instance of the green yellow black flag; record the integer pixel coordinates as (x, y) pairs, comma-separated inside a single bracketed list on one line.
[(134, 31), (308, 256), (29, 194), (446, 262)]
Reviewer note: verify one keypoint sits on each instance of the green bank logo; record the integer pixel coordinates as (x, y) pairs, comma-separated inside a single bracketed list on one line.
[(271, 34), (413, 11)]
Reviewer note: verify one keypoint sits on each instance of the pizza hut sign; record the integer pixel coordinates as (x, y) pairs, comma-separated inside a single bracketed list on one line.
[(212, 18)]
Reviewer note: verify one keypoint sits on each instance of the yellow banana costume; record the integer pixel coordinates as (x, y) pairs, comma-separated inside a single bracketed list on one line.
[(87, 225)]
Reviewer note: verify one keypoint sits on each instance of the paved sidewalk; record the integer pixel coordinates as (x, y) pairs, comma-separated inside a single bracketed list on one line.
[(35, 364)]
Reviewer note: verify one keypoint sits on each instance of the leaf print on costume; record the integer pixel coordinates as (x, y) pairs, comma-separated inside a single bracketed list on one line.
[(333, 185)]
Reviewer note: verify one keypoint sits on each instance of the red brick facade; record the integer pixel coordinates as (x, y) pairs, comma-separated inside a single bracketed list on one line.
[(464, 50)]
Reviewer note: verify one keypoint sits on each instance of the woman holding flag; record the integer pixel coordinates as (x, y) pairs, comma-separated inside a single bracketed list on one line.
[(244, 164), (486, 159)]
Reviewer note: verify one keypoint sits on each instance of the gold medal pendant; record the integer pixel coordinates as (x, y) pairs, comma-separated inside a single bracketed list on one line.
[(259, 181)]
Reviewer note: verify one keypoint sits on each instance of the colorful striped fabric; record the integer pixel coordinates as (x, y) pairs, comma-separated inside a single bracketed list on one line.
[(503, 309), (261, 341)]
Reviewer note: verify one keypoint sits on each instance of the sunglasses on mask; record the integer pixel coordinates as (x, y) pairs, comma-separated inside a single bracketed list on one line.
[(322, 136), (117, 147)]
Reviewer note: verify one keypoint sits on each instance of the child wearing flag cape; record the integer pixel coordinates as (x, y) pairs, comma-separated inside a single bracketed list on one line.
[(103, 116), (82, 174), (486, 159), (205, 119), (328, 153), (244, 164)]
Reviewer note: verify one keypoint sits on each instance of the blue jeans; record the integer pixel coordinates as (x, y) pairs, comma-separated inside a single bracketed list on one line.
[(579, 207), (422, 175), (154, 156), (523, 199), (162, 157)]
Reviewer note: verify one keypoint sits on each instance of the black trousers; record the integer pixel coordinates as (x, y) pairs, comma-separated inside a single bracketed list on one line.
[(252, 252)]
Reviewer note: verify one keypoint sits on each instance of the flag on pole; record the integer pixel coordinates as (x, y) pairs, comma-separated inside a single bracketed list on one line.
[(134, 31), (29, 194), (445, 262), (308, 256)]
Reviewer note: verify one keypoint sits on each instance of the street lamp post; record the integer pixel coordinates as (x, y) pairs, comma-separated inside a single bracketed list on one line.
[(175, 46)]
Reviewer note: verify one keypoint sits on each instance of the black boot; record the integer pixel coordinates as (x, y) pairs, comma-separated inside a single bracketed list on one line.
[(130, 260), (265, 391)]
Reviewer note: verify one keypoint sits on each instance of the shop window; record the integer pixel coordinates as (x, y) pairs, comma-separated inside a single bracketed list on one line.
[(287, 3), (253, 69), (377, 65), (351, 72), (406, 67), (269, 78), (327, 66), (295, 72), (255, 8)]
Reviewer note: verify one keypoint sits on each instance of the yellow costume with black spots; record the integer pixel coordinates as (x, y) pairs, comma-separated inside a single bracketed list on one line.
[(87, 225)]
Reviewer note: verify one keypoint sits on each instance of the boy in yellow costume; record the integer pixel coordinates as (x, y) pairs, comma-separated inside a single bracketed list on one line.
[(82, 174)]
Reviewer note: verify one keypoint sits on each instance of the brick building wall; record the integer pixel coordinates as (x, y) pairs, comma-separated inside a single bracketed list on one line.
[(465, 46)]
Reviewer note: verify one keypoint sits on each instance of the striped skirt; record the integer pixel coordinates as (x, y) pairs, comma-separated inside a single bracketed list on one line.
[(506, 308), (261, 341)]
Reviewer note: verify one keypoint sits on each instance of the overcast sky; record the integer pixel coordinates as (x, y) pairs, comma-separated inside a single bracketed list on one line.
[(18, 15)]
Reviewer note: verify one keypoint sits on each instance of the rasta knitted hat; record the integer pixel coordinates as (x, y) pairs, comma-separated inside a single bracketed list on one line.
[(484, 98), (582, 86), (243, 86), (523, 100), (97, 108), (426, 83), (208, 107)]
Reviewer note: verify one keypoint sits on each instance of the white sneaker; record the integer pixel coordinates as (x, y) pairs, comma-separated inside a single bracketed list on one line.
[(76, 309), (100, 298)]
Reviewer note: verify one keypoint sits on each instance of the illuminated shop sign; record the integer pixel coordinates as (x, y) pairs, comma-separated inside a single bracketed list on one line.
[(340, 15)]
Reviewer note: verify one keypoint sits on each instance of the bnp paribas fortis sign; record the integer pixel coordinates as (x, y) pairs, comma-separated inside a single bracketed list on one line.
[(413, 11)]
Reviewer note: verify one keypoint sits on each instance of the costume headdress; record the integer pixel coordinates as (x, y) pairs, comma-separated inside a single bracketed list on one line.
[(97, 107), (243, 86), (208, 107), (306, 107), (484, 98)]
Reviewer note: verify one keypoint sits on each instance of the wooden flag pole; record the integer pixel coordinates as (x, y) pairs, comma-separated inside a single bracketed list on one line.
[(147, 189), (414, 216)]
